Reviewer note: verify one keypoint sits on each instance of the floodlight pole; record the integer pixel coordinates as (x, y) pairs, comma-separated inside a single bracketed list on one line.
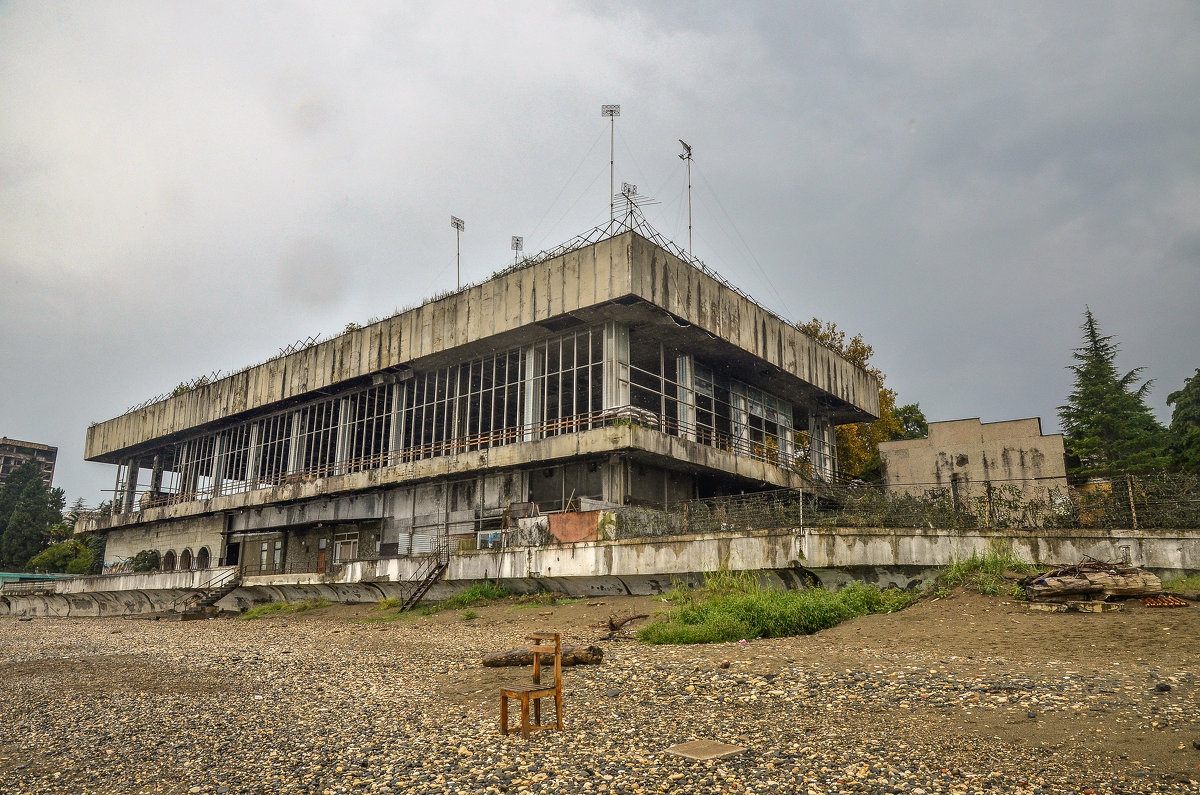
[(612, 112), (518, 243), (458, 225), (686, 157)]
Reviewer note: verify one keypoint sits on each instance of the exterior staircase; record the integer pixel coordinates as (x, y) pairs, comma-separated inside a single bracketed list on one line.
[(431, 570), (196, 605)]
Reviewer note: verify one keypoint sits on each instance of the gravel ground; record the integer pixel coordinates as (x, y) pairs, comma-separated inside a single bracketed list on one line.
[(960, 695)]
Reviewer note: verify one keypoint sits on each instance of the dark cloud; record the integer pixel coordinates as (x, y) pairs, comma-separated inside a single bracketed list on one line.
[(188, 188)]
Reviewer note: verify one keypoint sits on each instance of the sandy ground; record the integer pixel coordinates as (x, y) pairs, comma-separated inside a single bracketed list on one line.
[(961, 694)]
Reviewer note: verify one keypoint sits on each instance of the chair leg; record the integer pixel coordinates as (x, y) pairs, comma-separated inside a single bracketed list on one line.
[(537, 712), (504, 715), (558, 709), (525, 716)]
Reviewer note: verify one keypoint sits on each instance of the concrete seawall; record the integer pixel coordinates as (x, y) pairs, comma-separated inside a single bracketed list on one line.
[(832, 556)]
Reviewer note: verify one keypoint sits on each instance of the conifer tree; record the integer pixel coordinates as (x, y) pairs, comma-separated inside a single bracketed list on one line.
[(28, 509), (1185, 423), (1106, 423)]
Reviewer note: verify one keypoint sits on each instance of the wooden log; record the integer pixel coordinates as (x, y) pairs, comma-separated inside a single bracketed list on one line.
[(572, 655)]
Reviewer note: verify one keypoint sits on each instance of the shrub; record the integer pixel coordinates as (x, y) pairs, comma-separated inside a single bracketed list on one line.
[(144, 561)]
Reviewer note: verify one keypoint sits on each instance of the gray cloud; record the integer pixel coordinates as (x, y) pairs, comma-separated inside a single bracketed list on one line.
[(187, 187)]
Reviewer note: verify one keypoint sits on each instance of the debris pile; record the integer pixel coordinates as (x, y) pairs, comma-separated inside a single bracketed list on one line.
[(1093, 580)]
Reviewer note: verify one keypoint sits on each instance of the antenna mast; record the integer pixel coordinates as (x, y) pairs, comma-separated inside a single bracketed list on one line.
[(458, 225), (518, 243), (686, 157), (612, 112)]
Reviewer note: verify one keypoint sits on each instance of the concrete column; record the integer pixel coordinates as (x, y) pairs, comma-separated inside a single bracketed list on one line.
[(118, 503), (616, 365), (295, 454), (156, 473), (686, 406), (396, 436), (220, 454), (253, 454), (130, 487), (614, 480), (341, 453), (531, 414)]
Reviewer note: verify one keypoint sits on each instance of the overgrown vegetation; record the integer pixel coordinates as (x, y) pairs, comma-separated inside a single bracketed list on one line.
[(736, 606), (479, 593), (283, 608), (1182, 584), (985, 573)]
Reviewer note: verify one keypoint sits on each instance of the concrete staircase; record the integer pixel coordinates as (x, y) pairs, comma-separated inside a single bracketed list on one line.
[(198, 605)]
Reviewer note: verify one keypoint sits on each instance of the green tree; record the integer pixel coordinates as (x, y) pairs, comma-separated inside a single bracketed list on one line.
[(858, 443), (1185, 423), (913, 421), (1106, 423), (71, 556), (28, 511)]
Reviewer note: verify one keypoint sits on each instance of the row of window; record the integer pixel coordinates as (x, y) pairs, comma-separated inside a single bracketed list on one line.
[(570, 382)]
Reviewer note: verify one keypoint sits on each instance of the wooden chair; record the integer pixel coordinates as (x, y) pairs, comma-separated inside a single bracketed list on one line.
[(536, 691)]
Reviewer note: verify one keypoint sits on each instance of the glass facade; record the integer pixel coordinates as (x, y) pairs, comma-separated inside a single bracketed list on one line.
[(574, 381)]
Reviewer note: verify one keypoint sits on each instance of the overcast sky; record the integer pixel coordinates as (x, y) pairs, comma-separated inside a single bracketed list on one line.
[(191, 186)]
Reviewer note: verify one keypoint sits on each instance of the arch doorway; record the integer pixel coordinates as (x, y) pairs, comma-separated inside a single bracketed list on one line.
[(168, 561), (202, 558), (185, 560)]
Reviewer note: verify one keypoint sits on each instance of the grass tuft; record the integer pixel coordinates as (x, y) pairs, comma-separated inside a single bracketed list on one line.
[(468, 615), (1181, 584), (984, 573), (735, 606), (283, 608), (479, 593)]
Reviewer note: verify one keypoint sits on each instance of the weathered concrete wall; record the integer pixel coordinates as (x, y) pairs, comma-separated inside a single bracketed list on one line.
[(1001, 453), (190, 533), (614, 268), (901, 557)]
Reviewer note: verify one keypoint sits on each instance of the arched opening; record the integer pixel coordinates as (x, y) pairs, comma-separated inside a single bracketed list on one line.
[(168, 561), (185, 560), (202, 560)]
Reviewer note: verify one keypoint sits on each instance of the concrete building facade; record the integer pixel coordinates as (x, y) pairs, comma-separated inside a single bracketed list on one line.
[(971, 459), (612, 374), (14, 453)]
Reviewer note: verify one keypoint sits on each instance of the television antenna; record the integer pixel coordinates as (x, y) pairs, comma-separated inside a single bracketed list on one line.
[(611, 112), (633, 201), (458, 225), (518, 243), (686, 157)]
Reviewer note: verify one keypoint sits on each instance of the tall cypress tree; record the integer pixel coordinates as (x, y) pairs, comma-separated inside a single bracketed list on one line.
[(1106, 423)]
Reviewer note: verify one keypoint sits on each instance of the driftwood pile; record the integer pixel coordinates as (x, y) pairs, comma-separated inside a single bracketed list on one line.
[(1092, 580)]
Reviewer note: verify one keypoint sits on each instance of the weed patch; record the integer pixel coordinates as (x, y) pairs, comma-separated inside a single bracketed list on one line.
[(283, 608), (734, 606), (1182, 584), (984, 573), (479, 593)]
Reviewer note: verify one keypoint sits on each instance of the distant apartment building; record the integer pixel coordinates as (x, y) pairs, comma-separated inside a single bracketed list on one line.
[(14, 453)]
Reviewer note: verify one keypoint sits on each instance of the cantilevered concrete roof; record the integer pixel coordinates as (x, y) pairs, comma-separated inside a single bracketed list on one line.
[(624, 268)]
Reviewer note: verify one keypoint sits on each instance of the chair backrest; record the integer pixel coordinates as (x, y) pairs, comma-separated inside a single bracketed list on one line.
[(541, 641)]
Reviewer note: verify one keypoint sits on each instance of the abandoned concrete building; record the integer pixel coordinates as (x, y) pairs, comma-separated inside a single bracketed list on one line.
[(968, 458), (610, 373), (15, 453)]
